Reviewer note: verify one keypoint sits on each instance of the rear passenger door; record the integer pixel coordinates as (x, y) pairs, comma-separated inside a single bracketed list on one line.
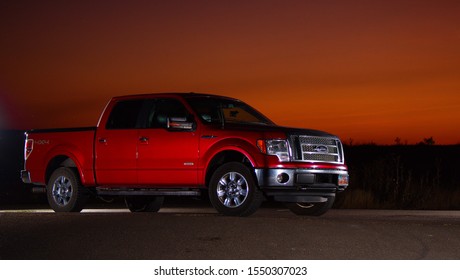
[(116, 144)]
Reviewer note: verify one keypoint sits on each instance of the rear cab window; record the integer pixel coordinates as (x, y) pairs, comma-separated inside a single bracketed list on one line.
[(125, 114)]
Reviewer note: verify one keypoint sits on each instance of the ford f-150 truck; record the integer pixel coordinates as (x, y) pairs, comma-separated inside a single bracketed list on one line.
[(149, 146)]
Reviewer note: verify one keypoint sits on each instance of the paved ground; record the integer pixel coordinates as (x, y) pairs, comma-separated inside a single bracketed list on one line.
[(199, 233)]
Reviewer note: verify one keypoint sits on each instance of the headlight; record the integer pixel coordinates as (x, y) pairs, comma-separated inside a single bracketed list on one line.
[(275, 147)]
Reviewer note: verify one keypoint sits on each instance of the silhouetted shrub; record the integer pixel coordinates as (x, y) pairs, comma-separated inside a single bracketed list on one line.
[(402, 177)]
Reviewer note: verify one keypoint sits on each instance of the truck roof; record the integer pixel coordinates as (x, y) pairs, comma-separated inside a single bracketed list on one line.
[(172, 94)]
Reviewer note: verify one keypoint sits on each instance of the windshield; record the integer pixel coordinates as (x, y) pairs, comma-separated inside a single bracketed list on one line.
[(213, 110)]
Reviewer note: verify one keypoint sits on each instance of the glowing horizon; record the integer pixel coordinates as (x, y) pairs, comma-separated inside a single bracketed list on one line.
[(367, 71)]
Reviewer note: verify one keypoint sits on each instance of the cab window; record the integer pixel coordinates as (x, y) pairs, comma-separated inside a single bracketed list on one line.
[(124, 114), (166, 108)]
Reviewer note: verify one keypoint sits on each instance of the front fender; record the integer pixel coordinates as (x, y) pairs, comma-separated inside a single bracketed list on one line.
[(249, 150), (241, 146)]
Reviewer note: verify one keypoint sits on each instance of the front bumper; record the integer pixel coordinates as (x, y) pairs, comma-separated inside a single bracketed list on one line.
[(302, 184)]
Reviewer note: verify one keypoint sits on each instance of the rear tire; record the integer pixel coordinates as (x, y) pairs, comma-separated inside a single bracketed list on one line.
[(311, 209), (144, 203), (64, 191), (233, 191)]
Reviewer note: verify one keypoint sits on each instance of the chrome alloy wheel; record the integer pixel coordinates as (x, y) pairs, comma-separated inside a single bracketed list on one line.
[(62, 190), (232, 189)]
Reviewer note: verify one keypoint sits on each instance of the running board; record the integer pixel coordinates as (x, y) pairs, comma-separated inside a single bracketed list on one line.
[(160, 192)]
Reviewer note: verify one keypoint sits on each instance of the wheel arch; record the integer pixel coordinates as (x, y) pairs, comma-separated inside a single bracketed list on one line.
[(72, 157), (225, 156), (60, 161)]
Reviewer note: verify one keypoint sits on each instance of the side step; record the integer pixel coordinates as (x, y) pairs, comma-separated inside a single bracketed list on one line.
[(136, 191)]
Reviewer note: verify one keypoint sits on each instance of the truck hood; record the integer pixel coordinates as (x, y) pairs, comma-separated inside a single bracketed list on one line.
[(276, 128)]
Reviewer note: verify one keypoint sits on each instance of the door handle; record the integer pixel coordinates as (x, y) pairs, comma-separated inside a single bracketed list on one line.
[(102, 140), (144, 139)]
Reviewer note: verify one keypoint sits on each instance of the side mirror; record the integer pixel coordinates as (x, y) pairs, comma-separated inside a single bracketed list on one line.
[(180, 124)]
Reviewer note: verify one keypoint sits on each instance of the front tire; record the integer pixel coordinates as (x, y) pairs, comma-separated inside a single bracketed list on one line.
[(233, 191), (64, 191), (144, 203), (311, 209)]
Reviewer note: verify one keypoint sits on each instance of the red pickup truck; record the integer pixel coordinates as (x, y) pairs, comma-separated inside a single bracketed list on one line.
[(149, 146)]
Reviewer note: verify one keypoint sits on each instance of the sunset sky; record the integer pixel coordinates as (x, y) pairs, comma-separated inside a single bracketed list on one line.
[(363, 70)]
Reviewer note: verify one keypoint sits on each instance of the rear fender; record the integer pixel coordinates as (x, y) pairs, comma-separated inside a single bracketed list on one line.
[(76, 159)]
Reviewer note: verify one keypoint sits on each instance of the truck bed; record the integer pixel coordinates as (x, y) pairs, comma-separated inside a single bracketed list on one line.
[(73, 147)]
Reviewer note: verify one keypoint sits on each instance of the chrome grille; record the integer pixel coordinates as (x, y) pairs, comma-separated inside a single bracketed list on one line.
[(316, 149), (312, 148), (319, 157), (317, 140)]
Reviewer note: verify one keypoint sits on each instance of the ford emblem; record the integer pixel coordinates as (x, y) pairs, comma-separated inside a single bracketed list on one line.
[(320, 149)]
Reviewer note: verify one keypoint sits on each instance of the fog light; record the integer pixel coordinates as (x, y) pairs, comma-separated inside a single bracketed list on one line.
[(343, 180), (282, 178)]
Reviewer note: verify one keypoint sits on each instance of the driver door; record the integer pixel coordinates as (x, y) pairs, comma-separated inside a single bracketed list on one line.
[(167, 157)]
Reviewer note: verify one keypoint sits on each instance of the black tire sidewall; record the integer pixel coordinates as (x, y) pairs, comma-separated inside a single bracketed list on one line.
[(253, 199)]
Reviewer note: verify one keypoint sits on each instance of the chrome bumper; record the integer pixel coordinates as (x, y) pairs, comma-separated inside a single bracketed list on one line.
[(300, 177), (301, 185)]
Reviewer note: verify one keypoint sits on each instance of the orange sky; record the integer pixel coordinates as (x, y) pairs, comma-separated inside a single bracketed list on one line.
[(364, 70)]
